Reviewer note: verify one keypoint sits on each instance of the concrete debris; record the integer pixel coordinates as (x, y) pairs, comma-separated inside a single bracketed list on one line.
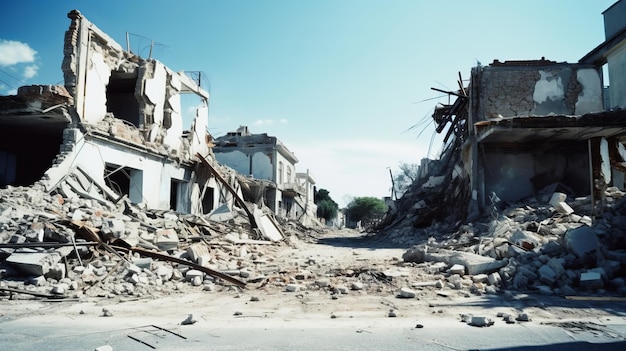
[(406, 293), (189, 320), (112, 249), (476, 321), (531, 246)]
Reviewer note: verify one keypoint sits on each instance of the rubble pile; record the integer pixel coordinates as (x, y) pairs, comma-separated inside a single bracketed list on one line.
[(77, 241), (541, 245)]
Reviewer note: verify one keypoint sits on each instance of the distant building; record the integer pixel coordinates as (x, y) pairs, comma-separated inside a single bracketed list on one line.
[(271, 168)]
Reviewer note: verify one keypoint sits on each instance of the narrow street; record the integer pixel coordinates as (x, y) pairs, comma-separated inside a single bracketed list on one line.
[(267, 317)]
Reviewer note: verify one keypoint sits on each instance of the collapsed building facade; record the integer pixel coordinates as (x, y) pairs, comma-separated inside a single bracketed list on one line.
[(109, 167), (520, 129), (118, 121), (271, 173), (530, 184)]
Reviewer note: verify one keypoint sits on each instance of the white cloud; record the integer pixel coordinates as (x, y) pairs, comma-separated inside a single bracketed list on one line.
[(263, 122), (14, 52), (30, 71), (269, 122)]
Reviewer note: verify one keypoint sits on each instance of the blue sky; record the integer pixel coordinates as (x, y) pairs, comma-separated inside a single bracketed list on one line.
[(340, 82)]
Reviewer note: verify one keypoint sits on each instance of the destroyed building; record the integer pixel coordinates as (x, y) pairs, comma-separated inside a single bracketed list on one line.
[(117, 121), (519, 129), (271, 169), (529, 187), (108, 168)]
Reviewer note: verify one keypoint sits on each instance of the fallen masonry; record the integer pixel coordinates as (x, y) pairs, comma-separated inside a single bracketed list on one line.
[(564, 256)]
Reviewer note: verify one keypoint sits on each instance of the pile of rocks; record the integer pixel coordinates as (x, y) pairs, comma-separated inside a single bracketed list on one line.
[(74, 242), (543, 245)]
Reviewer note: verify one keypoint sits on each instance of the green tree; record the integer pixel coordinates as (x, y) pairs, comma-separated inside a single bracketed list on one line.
[(326, 207), (365, 208)]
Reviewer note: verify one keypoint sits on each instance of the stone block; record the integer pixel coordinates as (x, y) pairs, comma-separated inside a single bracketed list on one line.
[(480, 278), (479, 321), (56, 272), (457, 269), (557, 266), (415, 254), (600, 271), (292, 287), (591, 280), (198, 252), (166, 239), (557, 198), (143, 262), (34, 263), (406, 293), (495, 279), (547, 275), (581, 241), (192, 273), (474, 264)]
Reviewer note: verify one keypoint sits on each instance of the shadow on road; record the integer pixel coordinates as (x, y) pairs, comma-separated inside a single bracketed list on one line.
[(358, 240), (570, 346)]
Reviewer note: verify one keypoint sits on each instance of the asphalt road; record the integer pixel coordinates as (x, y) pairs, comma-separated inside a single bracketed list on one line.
[(331, 334)]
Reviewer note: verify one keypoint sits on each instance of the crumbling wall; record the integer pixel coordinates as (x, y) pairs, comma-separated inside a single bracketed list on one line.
[(104, 78), (513, 90)]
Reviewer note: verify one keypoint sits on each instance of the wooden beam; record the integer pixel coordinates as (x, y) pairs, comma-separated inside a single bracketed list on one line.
[(238, 200)]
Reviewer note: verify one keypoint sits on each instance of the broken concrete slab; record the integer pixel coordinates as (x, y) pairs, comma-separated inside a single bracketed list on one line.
[(406, 293), (267, 226), (591, 280), (558, 202), (166, 239), (581, 241), (221, 214), (199, 253), (457, 269), (473, 263), (34, 263)]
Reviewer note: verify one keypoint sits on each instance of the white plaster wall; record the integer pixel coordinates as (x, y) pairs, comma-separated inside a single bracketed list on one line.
[(548, 87), (154, 91), (590, 99), (175, 131), (96, 83), (155, 175), (236, 160), (286, 163), (262, 167), (616, 61), (199, 130)]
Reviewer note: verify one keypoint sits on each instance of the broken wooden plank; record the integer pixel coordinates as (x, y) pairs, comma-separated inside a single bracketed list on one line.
[(238, 199), (90, 234), (33, 293), (162, 257), (112, 195), (45, 245)]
